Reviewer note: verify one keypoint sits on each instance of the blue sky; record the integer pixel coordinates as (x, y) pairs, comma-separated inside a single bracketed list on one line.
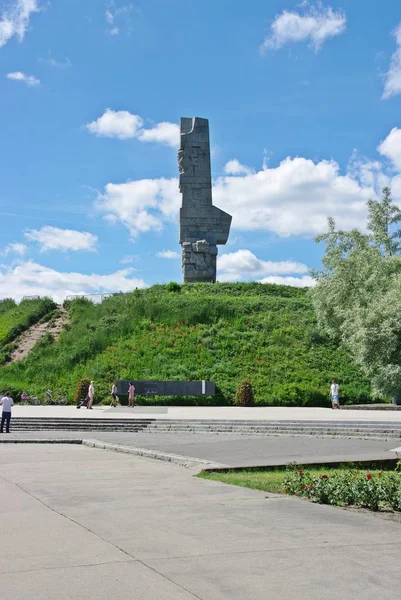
[(303, 101)]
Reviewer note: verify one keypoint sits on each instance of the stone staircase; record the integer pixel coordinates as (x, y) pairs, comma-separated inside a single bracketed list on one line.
[(77, 424), (365, 430), (302, 428)]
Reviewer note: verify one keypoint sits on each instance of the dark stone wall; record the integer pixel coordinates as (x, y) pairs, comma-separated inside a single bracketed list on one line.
[(166, 388)]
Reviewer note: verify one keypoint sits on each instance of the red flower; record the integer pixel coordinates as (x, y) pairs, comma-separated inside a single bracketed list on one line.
[(303, 486), (325, 476), (380, 474), (301, 472), (311, 487), (368, 476)]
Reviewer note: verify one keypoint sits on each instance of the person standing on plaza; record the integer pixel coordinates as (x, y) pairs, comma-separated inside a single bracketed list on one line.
[(335, 394), (131, 394), (114, 397), (91, 395), (7, 403)]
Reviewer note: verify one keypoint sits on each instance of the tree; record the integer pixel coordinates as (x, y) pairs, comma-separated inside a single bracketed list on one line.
[(382, 216), (358, 293)]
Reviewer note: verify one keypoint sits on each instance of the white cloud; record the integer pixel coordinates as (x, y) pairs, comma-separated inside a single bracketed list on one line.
[(120, 124), (29, 80), (305, 281), (114, 15), (64, 64), (234, 167), (293, 198), (243, 264), (141, 205), (52, 238), (391, 147), (15, 248), (316, 24), (369, 173), (162, 133), (14, 20), (392, 85), (31, 279), (124, 125), (109, 17), (170, 254)]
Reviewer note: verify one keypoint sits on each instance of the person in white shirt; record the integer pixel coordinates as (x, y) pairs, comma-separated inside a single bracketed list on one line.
[(91, 394), (335, 394), (7, 403)]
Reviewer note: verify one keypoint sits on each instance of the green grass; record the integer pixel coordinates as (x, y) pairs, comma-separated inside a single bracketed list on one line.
[(270, 480), (266, 481), (218, 332)]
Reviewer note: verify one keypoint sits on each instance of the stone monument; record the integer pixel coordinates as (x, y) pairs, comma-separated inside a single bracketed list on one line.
[(202, 225)]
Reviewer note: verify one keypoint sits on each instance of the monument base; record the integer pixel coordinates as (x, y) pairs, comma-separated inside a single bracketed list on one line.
[(199, 261)]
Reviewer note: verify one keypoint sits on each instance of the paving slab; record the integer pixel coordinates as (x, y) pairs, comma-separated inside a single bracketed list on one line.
[(138, 528), (317, 574), (110, 581), (38, 538)]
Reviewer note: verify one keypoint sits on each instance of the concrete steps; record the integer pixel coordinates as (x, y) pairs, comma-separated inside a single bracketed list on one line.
[(366, 430), (88, 424)]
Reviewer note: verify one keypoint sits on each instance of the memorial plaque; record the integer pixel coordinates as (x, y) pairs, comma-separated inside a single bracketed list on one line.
[(167, 388)]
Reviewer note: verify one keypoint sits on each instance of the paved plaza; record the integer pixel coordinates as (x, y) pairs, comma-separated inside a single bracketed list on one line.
[(233, 450), (227, 449), (264, 413), (80, 523)]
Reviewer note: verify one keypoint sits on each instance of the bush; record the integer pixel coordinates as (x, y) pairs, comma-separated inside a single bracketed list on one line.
[(46, 340), (343, 488), (295, 394), (82, 389), (173, 287), (244, 394)]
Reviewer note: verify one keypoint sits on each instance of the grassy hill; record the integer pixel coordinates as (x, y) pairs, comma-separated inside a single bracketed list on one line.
[(221, 332)]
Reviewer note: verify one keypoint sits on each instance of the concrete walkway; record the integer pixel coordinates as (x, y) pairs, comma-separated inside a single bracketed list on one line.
[(267, 413), (79, 523), (233, 450)]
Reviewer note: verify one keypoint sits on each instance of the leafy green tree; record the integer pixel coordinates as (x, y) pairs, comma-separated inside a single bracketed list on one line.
[(383, 215), (358, 293)]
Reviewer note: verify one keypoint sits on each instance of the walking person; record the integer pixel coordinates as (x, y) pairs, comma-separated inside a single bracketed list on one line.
[(131, 394), (114, 397), (91, 395), (7, 403), (335, 395)]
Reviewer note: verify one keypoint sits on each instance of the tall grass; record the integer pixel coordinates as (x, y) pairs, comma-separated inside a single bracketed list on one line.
[(220, 332)]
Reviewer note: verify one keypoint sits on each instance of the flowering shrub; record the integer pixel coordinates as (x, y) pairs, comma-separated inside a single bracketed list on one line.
[(244, 394), (82, 389), (344, 488)]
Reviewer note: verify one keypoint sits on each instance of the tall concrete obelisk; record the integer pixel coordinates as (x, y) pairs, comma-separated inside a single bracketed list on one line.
[(202, 225)]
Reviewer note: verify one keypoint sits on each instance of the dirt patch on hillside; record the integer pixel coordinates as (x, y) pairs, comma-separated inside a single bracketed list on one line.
[(28, 339)]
